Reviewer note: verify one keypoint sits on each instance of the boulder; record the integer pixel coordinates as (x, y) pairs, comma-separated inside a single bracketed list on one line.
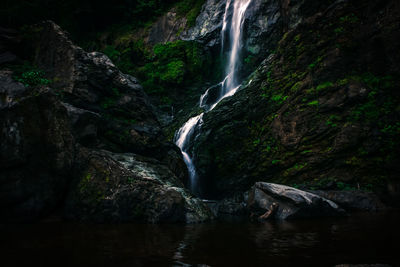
[(10, 90), (36, 151), (288, 202), (90, 144), (108, 109), (115, 187)]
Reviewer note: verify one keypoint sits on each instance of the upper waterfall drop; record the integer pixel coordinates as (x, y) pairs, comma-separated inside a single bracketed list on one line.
[(239, 10), (187, 134)]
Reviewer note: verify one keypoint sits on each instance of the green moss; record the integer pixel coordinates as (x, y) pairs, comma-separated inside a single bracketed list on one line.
[(352, 18), (371, 110), (339, 30), (315, 63), (332, 120), (313, 103), (84, 183), (279, 98), (275, 161), (174, 72), (296, 87), (107, 103), (323, 86)]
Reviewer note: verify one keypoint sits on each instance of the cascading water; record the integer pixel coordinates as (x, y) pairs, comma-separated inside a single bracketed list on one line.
[(186, 135)]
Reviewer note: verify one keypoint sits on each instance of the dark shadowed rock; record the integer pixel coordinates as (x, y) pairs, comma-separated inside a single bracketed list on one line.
[(363, 265), (9, 40), (84, 123), (10, 90), (167, 28), (109, 110), (36, 152), (292, 203), (353, 200)]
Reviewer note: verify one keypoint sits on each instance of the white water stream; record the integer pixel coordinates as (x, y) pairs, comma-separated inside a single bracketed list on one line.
[(228, 87)]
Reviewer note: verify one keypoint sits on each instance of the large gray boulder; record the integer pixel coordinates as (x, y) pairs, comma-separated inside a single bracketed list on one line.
[(89, 144), (108, 109), (116, 187), (292, 203)]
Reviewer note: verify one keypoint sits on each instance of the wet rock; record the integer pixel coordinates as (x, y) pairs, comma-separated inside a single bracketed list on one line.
[(290, 202), (125, 188)]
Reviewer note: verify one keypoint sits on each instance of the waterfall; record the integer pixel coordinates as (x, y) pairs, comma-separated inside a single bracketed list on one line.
[(188, 133)]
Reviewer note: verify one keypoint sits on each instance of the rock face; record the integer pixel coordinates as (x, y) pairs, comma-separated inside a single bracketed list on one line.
[(126, 187), (291, 203), (322, 109), (36, 151), (8, 40), (90, 144), (167, 28), (265, 23), (353, 200), (109, 109)]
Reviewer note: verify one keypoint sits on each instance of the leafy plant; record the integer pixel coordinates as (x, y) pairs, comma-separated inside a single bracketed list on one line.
[(30, 75)]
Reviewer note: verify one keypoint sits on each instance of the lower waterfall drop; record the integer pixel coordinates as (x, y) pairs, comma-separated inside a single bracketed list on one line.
[(187, 134)]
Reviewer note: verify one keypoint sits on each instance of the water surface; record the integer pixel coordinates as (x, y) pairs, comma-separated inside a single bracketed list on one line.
[(362, 238)]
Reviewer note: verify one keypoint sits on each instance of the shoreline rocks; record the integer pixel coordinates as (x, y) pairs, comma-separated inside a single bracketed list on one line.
[(289, 203)]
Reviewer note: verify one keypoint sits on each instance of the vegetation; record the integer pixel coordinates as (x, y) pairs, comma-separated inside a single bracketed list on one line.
[(164, 70), (29, 75)]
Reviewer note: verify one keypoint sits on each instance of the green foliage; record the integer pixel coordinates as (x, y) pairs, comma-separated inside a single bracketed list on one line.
[(352, 18), (112, 53), (315, 63), (332, 121), (391, 129), (190, 9), (371, 110), (107, 103), (323, 86), (116, 91), (344, 186), (338, 30), (313, 103), (172, 64), (30, 75), (279, 98), (174, 72)]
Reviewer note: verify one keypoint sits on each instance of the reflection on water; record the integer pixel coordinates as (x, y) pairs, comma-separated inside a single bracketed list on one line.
[(363, 238)]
